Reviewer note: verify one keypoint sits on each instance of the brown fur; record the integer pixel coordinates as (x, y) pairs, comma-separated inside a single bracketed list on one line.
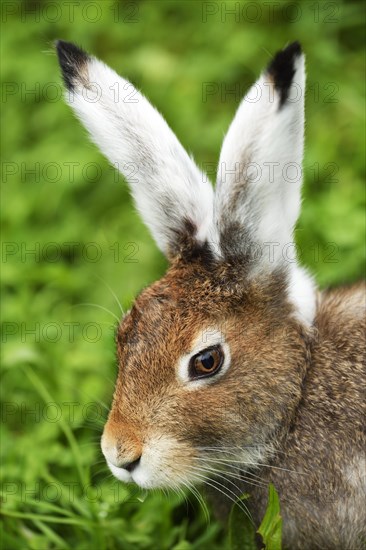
[(295, 395), (323, 491)]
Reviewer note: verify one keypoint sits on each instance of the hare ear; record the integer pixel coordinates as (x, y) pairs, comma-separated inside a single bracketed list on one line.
[(173, 196), (258, 191), (259, 173)]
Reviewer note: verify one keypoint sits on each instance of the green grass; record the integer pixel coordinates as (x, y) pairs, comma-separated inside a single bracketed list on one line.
[(58, 353)]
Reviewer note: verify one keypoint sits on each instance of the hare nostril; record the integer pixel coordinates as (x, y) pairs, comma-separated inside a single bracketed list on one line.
[(130, 466)]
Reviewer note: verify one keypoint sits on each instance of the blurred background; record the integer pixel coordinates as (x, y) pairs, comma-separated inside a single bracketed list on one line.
[(74, 249)]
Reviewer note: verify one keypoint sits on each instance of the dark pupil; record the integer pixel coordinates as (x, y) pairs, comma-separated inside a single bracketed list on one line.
[(207, 360)]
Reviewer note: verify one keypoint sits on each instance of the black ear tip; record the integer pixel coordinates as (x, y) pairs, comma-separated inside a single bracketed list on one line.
[(282, 69), (293, 49), (60, 44), (72, 59), (69, 49)]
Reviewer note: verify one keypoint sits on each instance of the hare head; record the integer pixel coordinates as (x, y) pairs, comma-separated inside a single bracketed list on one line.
[(212, 356)]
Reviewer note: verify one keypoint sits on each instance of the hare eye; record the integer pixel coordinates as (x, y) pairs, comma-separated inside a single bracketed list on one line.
[(206, 362)]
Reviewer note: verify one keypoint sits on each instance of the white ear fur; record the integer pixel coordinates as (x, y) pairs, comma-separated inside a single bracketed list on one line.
[(170, 191), (259, 173), (258, 193)]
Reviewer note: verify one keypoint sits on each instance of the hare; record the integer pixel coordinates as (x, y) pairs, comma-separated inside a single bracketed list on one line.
[(234, 370)]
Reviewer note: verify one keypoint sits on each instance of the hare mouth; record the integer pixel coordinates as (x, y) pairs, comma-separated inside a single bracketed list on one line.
[(164, 463), (120, 473), (139, 476)]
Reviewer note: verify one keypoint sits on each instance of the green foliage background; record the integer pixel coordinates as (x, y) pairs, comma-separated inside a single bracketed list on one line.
[(57, 492)]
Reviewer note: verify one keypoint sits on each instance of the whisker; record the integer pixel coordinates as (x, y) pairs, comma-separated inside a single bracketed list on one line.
[(239, 477), (219, 461), (256, 464), (180, 491), (198, 496), (238, 449), (228, 480), (111, 291), (89, 304), (213, 483)]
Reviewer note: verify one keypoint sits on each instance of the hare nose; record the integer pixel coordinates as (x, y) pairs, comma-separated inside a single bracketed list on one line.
[(111, 455), (121, 445), (130, 466), (128, 459)]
